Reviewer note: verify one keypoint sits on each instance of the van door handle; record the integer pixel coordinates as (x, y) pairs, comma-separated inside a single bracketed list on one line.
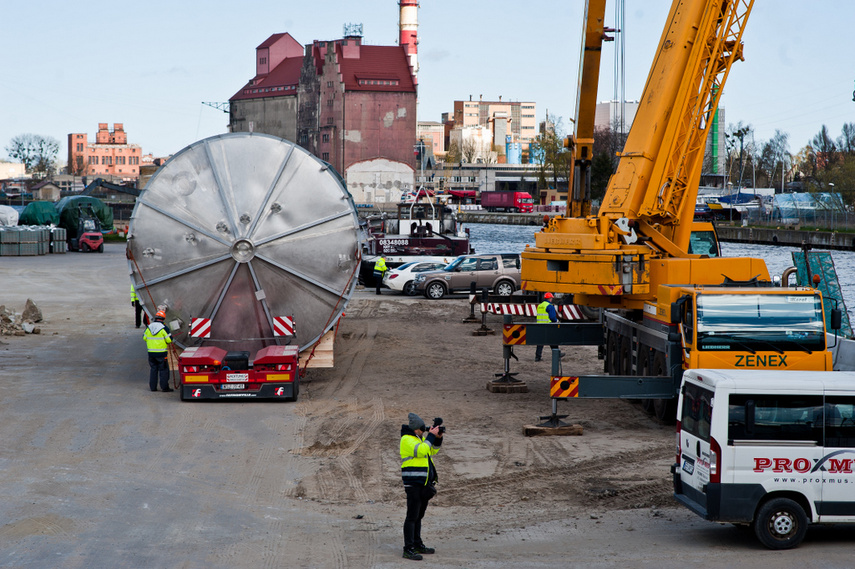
[(698, 449)]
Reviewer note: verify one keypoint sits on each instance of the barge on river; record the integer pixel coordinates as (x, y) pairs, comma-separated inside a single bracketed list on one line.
[(419, 228)]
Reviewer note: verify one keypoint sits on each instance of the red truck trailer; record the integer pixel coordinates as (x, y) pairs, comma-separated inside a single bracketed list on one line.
[(513, 202)]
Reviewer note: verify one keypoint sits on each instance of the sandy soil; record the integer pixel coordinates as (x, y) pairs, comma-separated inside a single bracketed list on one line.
[(100, 472)]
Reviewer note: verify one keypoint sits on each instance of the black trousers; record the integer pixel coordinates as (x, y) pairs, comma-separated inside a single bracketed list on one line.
[(539, 351), (417, 503), (137, 313), (159, 366)]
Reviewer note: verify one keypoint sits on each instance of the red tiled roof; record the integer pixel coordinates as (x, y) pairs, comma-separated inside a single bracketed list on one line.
[(378, 68), (281, 81), (271, 40)]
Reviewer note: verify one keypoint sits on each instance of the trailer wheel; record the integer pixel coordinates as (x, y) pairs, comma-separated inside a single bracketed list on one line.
[(664, 409), (625, 356), (781, 523), (610, 362), (643, 364)]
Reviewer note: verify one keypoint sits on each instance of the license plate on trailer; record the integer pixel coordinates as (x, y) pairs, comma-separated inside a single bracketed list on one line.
[(237, 376), (233, 386)]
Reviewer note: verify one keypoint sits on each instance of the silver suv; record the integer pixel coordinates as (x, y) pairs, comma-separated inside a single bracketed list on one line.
[(500, 273)]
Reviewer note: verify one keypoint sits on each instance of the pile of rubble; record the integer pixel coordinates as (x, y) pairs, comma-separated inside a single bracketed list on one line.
[(12, 324)]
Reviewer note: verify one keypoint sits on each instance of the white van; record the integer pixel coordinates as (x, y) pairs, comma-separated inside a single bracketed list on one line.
[(774, 449)]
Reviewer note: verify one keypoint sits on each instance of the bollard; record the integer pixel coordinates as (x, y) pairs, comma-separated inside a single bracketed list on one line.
[(507, 354), (507, 382), (483, 330), (473, 299)]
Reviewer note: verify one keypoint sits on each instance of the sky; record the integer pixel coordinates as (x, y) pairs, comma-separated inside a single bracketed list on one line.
[(68, 66)]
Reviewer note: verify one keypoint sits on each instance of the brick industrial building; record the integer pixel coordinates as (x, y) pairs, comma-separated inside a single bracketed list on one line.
[(350, 104), (110, 154)]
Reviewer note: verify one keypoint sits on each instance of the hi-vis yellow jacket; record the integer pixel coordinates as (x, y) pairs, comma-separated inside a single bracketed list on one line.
[(156, 337), (542, 314), (380, 265), (417, 468)]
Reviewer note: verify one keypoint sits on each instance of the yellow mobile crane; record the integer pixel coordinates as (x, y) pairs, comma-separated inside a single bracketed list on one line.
[(664, 308)]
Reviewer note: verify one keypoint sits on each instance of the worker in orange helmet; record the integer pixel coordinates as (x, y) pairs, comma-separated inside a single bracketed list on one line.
[(546, 312), (157, 337)]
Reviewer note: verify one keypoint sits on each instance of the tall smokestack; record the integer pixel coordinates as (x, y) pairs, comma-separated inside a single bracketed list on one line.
[(408, 22)]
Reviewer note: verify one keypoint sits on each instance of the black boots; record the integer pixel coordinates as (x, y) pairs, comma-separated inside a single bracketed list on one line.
[(415, 552), (412, 554)]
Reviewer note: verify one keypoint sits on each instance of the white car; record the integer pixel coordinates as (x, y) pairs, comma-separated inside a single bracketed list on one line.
[(402, 278)]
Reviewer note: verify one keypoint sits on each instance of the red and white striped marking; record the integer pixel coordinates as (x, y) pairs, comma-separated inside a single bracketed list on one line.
[(513, 309), (565, 311), (200, 327), (283, 326)]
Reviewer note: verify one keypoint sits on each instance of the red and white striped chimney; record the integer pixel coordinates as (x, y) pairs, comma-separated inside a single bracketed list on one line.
[(408, 22)]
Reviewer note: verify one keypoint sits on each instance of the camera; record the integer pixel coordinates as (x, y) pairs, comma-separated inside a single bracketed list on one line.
[(437, 422)]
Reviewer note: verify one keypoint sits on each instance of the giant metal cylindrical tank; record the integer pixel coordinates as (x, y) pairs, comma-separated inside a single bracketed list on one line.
[(241, 229)]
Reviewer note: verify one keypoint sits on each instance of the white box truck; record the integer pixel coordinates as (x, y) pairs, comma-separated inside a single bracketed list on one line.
[(773, 449)]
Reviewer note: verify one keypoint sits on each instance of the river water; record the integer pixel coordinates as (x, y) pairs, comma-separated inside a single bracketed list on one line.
[(495, 238)]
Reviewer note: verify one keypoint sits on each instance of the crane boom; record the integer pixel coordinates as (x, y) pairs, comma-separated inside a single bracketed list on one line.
[(620, 256), (594, 34)]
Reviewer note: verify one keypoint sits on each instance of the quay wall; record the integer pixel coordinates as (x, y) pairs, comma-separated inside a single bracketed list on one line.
[(788, 237), (737, 234), (503, 218)]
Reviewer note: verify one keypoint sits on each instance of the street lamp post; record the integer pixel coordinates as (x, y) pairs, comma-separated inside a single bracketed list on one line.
[(831, 200)]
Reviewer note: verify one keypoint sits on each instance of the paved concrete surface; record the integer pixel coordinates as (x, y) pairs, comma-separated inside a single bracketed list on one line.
[(97, 471)]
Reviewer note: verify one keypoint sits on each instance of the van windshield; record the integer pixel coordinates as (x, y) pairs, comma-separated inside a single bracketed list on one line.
[(760, 322)]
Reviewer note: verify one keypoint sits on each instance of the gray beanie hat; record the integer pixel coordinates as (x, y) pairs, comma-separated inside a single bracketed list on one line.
[(416, 422)]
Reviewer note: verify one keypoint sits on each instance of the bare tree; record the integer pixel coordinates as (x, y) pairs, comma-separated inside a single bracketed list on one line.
[(453, 155), (547, 150), (846, 142), (469, 150), (38, 153), (773, 157), (608, 144), (825, 149)]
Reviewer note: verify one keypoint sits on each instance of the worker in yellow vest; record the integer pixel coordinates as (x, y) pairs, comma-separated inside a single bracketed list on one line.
[(157, 338), (546, 313), (379, 271), (135, 302), (418, 473)]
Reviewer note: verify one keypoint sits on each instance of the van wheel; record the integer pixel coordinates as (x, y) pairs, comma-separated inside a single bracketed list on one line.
[(504, 288), (780, 524), (435, 291)]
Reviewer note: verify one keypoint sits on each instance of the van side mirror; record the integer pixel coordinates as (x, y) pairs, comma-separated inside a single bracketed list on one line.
[(836, 319)]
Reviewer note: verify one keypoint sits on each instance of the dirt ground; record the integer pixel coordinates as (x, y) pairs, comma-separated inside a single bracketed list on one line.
[(100, 472)]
